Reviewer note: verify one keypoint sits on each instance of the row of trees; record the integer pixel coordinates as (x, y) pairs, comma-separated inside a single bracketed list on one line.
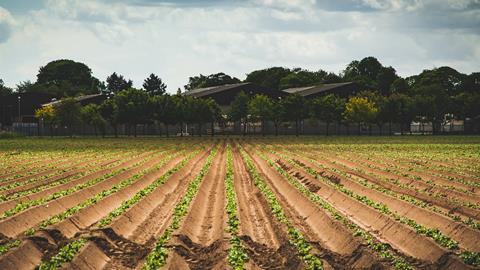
[(136, 107), (132, 107)]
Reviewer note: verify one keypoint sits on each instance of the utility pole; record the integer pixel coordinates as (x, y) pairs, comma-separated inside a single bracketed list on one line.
[(19, 100)]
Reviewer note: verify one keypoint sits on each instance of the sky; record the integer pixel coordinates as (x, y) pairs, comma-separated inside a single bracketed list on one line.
[(183, 38)]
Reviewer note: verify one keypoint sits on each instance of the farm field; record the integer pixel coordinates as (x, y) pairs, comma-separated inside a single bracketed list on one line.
[(240, 203)]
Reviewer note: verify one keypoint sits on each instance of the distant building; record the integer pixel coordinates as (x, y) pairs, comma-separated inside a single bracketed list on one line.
[(225, 94), (341, 89), (20, 107)]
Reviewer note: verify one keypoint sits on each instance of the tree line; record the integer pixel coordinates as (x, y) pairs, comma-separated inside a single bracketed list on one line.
[(434, 96)]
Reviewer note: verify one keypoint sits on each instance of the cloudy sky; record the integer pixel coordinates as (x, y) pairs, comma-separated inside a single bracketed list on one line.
[(182, 38)]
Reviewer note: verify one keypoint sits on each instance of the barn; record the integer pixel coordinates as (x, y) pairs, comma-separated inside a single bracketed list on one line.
[(225, 94), (345, 89)]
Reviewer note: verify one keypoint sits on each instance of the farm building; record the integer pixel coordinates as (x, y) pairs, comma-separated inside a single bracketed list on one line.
[(83, 100), (342, 89), (225, 94), (20, 107)]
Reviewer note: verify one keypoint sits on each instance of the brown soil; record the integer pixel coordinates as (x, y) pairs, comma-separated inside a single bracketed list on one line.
[(4, 206), (427, 174), (264, 238), (142, 223), (466, 236), (442, 203), (201, 241), (332, 240), (401, 237), (13, 226)]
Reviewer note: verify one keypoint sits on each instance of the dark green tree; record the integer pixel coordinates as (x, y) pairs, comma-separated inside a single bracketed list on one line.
[(68, 114), (91, 115), (328, 109), (109, 111), (216, 115), (296, 110), (260, 108), (133, 107), (239, 110), (154, 85), (217, 79), (165, 111), (4, 90), (66, 78), (269, 77), (117, 83)]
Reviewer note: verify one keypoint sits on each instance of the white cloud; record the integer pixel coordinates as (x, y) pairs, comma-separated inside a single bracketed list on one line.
[(6, 24), (176, 41)]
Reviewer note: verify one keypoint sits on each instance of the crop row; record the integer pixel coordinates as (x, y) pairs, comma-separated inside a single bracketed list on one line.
[(68, 252), (237, 255), (296, 237), (382, 249), (91, 201), (469, 257), (158, 256)]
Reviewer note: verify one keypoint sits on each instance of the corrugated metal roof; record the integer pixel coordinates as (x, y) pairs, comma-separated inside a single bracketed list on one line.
[(78, 99), (200, 92), (310, 90)]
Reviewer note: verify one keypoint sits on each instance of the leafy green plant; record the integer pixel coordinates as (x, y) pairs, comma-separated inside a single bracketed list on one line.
[(237, 255), (158, 256)]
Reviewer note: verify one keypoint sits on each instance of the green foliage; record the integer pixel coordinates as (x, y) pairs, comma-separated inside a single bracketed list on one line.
[(63, 78), (237, 255), (66, 254), (328, 108), (360, 110), (68, 113), (117, 83), (4, 90), (202, 81), (154, 85), (268, 78)]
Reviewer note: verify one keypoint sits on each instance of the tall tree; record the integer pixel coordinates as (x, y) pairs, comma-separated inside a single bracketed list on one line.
[(239, 110), (260, 108), (154, 85), (360, 110), (216, 115), (91, 115), (46, 116), (328, 109), (133, 107), (217, 79), (66, 78), (109, 111), (68, 114), (269, 77), (296, 110), (302, 77), (278, 114), (165, 111), (117, 83), (4, 90)]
